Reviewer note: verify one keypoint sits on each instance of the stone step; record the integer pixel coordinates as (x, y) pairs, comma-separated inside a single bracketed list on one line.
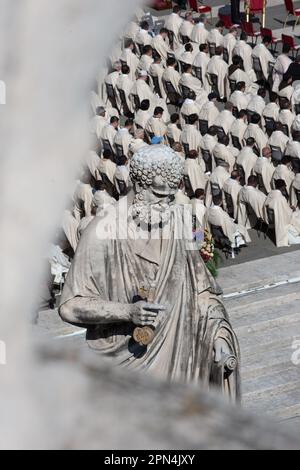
[(264, 362), (268, 325), (272, 380), (281, 401), (269, 336)]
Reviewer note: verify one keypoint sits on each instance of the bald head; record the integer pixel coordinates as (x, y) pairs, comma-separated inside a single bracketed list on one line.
[(266, 152)]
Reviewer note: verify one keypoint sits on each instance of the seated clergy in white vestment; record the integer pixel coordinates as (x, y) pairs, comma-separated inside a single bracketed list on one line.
[(194, 171), (247, 158), (250, 195), (287, 221), (265, 168), (173, 128), (217, 66), (231, 190), (278, 138), (124, 137), (254, 130), (201, 60), (223, 151), (156, 125), (295, 190), (265, 57), (217, 178), (173, 23), (239, 127), (283, 171), (190, 134), (199, 210), (237, 234)]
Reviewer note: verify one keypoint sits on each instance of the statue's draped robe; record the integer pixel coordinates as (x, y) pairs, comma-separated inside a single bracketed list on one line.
[(113, 270)]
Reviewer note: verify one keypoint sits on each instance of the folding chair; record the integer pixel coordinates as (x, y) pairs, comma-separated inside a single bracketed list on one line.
[(215, 190), (222, 242), (277, 153), (291, 10), (186, 148), (257, 68), (271, 221), (119, 150), (213, 81), (126, 111), (174, 98), (229, 204), (121, 187), (241, 171), (203, 126), (261, 184), (226, 55), (212, 48), (247, 26), (290, 40), (188, 187), (269, 125), (111, 94), (207, 158), (198, 73), (156, 87), (236, 142), (185, 91), (232, 85)]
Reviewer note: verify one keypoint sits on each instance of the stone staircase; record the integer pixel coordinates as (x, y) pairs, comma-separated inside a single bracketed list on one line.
[(267, 323)]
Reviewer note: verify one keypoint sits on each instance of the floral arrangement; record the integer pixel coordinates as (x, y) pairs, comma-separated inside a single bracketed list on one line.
[(207, 251)]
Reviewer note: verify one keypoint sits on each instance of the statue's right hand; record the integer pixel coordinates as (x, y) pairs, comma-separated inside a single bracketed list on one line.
[(142, 315)]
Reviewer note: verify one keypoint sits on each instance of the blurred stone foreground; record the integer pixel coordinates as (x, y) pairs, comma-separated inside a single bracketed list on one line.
[(53, 395)]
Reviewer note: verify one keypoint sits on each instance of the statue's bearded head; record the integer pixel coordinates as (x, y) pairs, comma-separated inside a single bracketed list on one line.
[(155, 171)]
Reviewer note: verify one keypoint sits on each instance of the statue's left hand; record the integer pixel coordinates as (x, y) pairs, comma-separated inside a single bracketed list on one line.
[(220, 348)]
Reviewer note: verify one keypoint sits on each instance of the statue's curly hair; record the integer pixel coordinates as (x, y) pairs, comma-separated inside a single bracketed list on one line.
[(156, 160)]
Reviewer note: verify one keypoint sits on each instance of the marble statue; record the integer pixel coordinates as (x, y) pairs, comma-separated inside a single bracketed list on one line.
[(140, 287)]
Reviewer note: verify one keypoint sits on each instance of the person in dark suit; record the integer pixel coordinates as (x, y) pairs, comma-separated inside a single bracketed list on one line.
[(235, 12)]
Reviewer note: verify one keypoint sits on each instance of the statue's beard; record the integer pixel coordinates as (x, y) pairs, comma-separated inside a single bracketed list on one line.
[(153, 197)]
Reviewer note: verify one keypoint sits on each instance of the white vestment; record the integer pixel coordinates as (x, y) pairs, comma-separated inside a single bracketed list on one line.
[(216, 37), (282, 172), (145, 62), (256, 104), (238, 129), (171, 75), (107, 167), (157, 70), (82, 198), (199, 34), (271, 111), (200, 212), (143, 38), (131, 60), (161, 46), (156, 126), (218, 176), (173, 23), (232, 187), (229, 43), (97, 124), (142, 117), (295, 187), (195, 173), (281, 65), (239, 99), (286, 117), (125, 83), (225, 119), (293, 149), (217, 216), (244, 50), (144, 92), (256, 200), (188, 80), (283, 216), (223, 152), (247, 159), (181, 198), (191, 136), (209, 112), (260, 137), (92, 162), (278, 139), (217, 66), (186, 28), (69, 226), (109, 133), (174, 132), (201, 60), (136, 145), (265, 57), (265, 168), (124, 138)]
